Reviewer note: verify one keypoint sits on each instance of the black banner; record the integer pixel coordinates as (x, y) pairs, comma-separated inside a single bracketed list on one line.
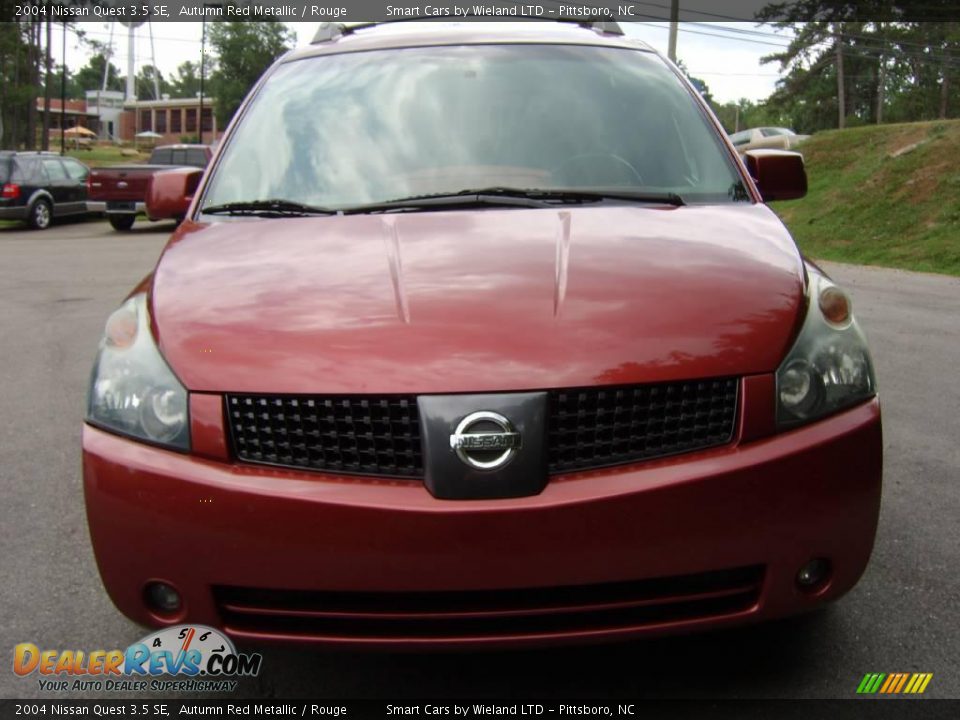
[(479, 709), (487, 10)]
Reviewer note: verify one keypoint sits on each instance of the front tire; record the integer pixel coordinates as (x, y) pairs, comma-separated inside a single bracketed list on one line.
[(121, 222), (40, 215)]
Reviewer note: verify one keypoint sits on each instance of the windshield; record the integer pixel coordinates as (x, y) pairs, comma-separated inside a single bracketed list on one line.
[(344, 130)]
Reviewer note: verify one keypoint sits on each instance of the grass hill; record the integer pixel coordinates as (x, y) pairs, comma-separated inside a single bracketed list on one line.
[(882, 195)]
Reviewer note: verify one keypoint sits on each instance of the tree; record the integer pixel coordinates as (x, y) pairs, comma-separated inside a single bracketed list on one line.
[(242, 51), (74, 92), (698, 83), (34, 57), (17, 93), (844, 70), (146, 88), (90, 76), (26, 74), (186, 83), (745, 114)]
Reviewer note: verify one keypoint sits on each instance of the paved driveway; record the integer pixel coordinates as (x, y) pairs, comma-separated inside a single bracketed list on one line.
[(56, 289)]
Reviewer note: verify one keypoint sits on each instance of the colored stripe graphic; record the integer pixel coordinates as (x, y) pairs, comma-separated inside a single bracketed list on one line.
[(870, 683), (918, 683), (894, 683)]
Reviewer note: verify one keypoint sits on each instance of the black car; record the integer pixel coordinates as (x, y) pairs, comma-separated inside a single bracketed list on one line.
[(40, 186)]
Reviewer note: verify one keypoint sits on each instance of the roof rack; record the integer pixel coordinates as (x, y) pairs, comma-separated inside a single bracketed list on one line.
[(329, 31)]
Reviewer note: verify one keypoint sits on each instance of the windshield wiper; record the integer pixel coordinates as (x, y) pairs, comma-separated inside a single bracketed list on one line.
[(514, 197), (588, 195), (497, 197), (492, 196), (267, 208)]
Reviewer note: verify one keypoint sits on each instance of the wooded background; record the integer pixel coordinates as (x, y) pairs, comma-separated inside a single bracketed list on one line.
[(837, 70)]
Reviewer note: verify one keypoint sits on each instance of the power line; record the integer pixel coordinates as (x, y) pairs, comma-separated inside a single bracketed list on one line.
[(853, 50), (81, 33), (733, 74), (695, 12), (722, 37), (892, 43), (767, 22)]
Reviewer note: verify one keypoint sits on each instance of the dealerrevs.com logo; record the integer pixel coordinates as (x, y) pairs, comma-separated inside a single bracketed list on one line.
[(205, 657)]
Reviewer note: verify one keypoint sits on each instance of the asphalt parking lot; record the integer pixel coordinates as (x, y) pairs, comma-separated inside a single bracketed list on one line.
[(56, 289)]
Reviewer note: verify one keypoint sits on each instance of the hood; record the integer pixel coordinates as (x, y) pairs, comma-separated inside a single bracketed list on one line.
[(478, 301)]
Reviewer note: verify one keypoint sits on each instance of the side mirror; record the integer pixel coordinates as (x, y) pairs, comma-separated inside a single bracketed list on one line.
[(170, 192), (779, 174)]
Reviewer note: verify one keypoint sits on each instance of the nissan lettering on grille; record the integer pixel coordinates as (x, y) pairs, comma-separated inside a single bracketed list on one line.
[(485, 440)]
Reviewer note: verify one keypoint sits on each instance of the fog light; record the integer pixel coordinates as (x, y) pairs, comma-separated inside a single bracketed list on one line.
[(162, 598), (814, 574)]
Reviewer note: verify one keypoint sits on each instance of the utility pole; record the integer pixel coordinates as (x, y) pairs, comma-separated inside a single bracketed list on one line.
[(153, 57), (203, 56), (131, 93), (881, 74), (63, 93), (841, 95), (45, 140), (674, 22), (108, 56), (33, 78), (945, 73)]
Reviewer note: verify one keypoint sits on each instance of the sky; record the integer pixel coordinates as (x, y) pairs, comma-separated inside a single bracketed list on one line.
[(725, 55)]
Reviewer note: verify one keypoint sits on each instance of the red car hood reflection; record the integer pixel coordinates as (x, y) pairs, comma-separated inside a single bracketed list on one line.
[(486, 300)]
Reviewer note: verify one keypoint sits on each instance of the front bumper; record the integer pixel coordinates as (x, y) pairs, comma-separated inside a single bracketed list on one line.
[(707, 539)]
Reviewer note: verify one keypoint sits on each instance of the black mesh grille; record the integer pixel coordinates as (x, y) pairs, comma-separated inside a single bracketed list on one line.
[(596, 427), (352, 434), (588, 428)]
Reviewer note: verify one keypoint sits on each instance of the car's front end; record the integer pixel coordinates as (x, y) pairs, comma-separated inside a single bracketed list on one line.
[(493, 418)]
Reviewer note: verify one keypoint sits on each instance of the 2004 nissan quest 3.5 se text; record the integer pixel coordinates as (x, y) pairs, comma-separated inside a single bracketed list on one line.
[(480, 335)]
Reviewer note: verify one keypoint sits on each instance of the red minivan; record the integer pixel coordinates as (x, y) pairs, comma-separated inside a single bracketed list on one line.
[(481, 335)]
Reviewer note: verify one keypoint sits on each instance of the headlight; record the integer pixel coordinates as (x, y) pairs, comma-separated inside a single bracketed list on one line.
[(829, 367), (132, 390)]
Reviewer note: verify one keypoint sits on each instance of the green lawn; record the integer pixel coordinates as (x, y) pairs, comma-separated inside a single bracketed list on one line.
[(871, 203), (101, 155)]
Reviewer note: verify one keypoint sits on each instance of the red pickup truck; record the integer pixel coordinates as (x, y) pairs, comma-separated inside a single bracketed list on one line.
[(123, 188)]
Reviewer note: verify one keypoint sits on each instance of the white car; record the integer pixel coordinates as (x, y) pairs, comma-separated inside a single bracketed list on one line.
[(766, 137)]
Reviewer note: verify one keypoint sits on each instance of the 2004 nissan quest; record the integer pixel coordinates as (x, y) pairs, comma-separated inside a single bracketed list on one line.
[(480, 335)]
